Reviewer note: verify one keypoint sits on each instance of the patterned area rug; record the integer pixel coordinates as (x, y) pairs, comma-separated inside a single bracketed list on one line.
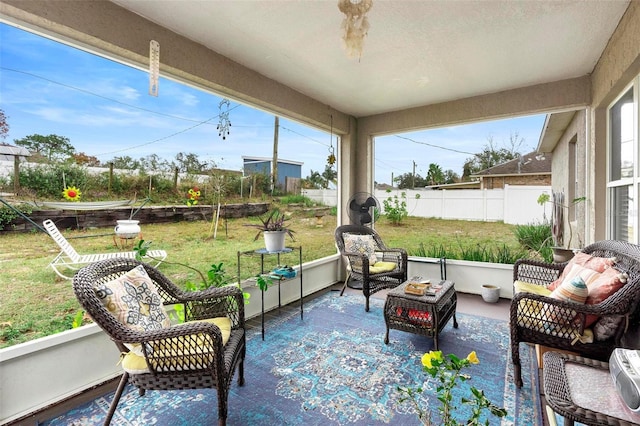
[(334, 368)]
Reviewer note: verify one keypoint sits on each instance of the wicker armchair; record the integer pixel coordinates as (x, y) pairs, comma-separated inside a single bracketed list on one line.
[(184, 356), (560, 324), (359, 264)]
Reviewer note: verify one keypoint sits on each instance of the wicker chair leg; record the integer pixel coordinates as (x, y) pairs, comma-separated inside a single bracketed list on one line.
[(241, 373), (222, 407), (346, 280), (517, 369), (116, 398), (366, 304)]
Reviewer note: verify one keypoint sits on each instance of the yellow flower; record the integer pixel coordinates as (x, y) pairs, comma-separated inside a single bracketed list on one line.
[(428, 358), (473, 358), (71, 193)]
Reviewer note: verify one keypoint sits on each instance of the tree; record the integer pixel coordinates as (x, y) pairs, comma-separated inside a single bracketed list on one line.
[(450, 176), (190, 163), (125, 162), (320, 181), (4, 126), (408, 180), (435, 175), (83, 159), (330, 176), (52, 147), (153, 163), (491, 156)]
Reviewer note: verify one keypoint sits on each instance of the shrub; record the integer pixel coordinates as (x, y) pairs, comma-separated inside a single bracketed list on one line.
[(477, 253), (395, 208)]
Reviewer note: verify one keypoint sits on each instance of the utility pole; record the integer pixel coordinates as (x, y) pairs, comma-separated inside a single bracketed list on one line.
[(274, 165), (413, 176)]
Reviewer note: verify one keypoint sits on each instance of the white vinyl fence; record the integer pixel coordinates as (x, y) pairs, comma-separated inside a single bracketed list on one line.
[(517, 205)]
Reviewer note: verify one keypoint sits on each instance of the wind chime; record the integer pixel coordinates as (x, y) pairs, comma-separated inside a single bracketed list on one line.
[(224, 123), (331, 159)]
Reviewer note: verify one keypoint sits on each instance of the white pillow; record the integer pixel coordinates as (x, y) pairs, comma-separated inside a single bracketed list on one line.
[(363, 244)]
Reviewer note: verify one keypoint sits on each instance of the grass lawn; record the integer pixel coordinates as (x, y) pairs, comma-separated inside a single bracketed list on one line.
[(34, 302)]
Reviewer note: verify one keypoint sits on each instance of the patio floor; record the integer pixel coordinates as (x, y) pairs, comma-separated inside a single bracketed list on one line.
[(467, 303)]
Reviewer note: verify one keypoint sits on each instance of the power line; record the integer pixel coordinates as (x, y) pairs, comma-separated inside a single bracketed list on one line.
[(68, 86), (434, 146)]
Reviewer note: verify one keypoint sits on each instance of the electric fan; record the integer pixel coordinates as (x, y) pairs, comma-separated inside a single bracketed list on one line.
[(362, 207)]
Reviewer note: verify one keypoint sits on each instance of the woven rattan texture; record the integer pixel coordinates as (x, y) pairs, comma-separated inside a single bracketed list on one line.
[(187, 356), (359, 263), (555, 323)]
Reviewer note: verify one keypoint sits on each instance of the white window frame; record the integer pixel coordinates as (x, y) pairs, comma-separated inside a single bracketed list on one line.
[(634, 181)]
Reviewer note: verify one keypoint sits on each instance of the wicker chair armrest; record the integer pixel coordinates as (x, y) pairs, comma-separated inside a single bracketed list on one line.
[(394, 255), (536, 272), (174, 332), (215, 302), (210, 293)]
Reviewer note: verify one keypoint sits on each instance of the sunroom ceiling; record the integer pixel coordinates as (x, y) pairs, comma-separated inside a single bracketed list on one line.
[(416, 52)]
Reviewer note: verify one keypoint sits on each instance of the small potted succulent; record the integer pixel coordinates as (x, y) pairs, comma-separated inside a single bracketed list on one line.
[(274, 229)]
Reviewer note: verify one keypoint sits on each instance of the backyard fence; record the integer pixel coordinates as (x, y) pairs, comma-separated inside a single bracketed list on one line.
[(517, 205)]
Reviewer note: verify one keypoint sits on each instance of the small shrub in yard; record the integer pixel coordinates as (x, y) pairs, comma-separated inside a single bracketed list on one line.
[(536, 237), (395, 208)]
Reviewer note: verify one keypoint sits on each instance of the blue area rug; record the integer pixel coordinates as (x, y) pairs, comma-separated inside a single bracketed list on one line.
[(334, 368)]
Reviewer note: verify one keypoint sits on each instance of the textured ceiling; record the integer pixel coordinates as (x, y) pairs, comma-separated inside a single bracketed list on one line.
[(416, 52)]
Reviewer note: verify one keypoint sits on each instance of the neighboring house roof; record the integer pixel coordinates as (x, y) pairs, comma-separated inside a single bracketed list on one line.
[(533, 163), (554, 127), (474, 184), (7, 152), (246, 159)]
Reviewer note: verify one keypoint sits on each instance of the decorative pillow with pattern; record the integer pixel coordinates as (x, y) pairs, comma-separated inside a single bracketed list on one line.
[(604, 286), (134, 300), (363, 244), (598, 264)]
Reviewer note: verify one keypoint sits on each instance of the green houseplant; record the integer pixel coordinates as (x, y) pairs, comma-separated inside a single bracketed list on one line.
[(274, 229)]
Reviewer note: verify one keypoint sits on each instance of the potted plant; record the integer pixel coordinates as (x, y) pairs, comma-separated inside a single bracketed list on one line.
[(561, 252), (274, 229)]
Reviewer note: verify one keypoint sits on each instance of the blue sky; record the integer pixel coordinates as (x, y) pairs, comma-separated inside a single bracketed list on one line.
[(104, 108)]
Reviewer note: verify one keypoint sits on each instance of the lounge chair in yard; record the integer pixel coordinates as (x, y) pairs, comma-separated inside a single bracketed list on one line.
[(70, 260)]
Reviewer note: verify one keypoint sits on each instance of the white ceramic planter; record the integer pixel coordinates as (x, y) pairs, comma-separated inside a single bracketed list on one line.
[(274, 240), (127, 229), (490, 293)]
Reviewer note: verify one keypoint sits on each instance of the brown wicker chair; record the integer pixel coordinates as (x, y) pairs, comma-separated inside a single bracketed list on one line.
[(181, 369), (527, 309), (359, 263)]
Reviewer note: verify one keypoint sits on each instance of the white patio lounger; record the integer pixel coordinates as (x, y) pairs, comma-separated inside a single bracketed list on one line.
[(70, 259)]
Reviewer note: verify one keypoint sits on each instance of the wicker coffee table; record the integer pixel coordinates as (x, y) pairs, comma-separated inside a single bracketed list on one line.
[(581, 390), (426, 315)]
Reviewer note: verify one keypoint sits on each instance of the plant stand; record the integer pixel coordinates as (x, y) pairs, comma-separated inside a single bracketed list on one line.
[(263, 253)]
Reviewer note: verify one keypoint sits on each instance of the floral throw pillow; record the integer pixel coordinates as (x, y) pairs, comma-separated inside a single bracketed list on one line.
[(134, 300), (363, 244)]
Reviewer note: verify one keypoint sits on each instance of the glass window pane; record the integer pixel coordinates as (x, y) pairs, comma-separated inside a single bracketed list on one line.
[(621, 159), (623, 208)]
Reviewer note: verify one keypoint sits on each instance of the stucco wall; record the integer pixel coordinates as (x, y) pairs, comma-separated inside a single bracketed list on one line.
[(618, 64)]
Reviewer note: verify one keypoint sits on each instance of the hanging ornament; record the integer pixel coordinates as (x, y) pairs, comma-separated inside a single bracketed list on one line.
[(331, 159), (154, 67), (224, 123)]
